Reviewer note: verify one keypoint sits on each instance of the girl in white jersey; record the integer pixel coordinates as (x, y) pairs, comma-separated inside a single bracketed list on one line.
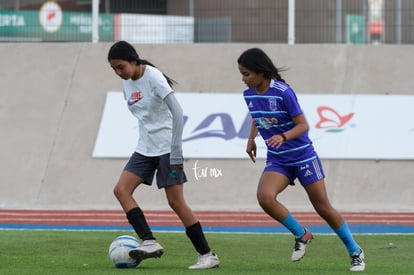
[(150, 98), (278, 117)]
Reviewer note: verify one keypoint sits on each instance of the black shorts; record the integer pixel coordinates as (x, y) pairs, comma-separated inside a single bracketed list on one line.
[(145, 167)]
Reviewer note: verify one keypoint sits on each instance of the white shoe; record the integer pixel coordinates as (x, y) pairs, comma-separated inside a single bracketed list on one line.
[(300, 246), (358, 262), (148, 249), (209, 260)]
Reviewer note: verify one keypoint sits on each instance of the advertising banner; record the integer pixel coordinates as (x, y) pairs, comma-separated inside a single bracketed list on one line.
[(52, 25), (149, 28), (345, 126)]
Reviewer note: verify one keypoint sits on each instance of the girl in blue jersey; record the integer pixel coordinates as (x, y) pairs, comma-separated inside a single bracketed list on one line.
[(150, 98), (279, 119)]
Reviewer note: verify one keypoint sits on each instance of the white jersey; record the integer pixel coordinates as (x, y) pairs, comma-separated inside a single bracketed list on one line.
[(144, 98)]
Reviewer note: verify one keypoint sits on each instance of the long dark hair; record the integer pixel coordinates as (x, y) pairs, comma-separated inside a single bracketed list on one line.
[(125, 51), (258, 61)]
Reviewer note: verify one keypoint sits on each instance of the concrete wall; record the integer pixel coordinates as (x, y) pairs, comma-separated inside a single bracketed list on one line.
[(52, 97)]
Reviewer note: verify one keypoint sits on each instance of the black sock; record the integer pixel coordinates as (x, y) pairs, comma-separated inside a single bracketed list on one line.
[(137, 219), (196, 235)]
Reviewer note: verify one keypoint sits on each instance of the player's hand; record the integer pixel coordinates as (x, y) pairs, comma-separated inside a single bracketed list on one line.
[(275, 141), (177, 166), (251, 149)]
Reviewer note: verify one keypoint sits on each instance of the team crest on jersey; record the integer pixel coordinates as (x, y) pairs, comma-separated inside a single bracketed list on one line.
[(272, 104), (134, 98)]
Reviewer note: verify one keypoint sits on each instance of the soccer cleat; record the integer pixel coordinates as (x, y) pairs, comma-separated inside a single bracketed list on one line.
[(358, 262), (206, 261), (300, 245), (148, 249)]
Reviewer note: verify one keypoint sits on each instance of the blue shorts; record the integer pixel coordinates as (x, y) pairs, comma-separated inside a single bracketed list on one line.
[(145, 167), (307, 173)]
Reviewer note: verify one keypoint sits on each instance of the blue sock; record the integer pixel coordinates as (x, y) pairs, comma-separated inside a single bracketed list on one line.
[(345, 235), (292, 224)]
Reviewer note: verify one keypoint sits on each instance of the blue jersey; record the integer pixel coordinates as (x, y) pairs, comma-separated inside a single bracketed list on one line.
[(273, 112)]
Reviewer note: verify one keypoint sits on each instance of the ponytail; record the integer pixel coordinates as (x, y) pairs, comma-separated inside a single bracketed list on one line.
[(170, 81)]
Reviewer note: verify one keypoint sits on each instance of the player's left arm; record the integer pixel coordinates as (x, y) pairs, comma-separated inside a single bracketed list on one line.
[(176, 158), (301, 127)]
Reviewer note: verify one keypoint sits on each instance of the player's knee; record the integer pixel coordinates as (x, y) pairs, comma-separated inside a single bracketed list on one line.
[(174, 204), (325, 211), (118, 191), (265, 200)]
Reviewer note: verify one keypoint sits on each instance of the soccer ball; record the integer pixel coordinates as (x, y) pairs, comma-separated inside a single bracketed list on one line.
[(119, 251)]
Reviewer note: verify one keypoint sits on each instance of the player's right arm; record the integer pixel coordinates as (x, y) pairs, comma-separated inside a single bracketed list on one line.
[(251, 147)]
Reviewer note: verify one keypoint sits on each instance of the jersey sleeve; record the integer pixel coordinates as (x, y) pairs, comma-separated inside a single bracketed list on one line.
[(160, 84), (291, 103)]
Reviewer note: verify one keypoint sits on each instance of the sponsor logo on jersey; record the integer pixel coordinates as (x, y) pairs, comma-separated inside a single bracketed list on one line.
[(266, 122), (135, 97)]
